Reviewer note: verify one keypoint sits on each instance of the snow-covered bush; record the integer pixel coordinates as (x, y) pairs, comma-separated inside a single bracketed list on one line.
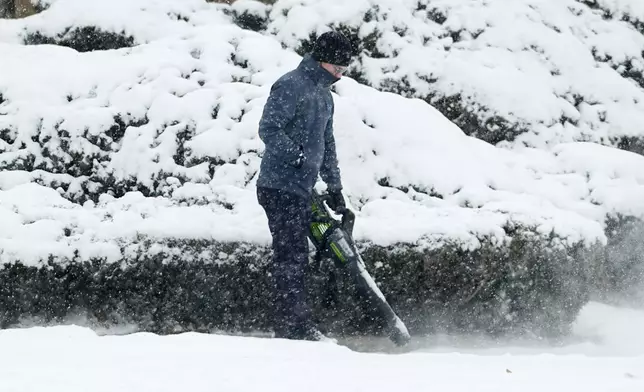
[(529, 72), (622, 272), (250, 15), (127, 189), (83, 39), (202, 285)]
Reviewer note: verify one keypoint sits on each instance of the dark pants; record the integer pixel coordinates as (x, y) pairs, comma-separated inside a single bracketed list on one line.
[(289, 217)]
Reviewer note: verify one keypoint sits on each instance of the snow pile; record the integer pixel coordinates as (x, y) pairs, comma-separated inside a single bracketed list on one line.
[(160, 140), (533, 72)]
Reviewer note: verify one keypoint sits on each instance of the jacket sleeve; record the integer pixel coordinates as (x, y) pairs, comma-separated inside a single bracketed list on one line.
[(330, 172), (278, 112)]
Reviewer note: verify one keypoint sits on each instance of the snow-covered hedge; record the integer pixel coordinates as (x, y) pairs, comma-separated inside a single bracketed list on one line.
[(128, 177), (529, 72), (526, 287)]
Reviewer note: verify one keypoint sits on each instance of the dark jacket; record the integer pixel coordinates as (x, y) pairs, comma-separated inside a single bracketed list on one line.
[(298, 118)]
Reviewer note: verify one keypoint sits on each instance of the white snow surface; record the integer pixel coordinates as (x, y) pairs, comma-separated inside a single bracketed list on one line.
[(75, 359), (180, 71)]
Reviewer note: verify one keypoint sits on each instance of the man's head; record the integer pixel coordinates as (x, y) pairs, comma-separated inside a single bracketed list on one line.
[(333, 51)]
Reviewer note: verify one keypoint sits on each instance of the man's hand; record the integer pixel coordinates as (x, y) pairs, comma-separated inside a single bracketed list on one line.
[(300, 159), (336, 202)]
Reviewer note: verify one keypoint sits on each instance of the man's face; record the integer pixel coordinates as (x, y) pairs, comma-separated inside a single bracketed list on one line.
[(335, 70)]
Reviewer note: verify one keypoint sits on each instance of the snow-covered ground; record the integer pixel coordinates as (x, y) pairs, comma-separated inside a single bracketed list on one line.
[(411, 175), (608, 357)]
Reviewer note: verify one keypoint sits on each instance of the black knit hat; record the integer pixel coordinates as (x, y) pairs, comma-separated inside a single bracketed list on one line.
[(332, 47)]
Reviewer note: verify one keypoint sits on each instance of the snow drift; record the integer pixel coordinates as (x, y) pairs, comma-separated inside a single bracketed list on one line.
[(128, 172)]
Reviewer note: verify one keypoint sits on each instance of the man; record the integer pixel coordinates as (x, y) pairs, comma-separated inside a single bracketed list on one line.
[(297, 130)]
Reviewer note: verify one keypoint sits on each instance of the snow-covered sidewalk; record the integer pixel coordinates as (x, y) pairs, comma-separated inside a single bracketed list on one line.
[(71, 359)]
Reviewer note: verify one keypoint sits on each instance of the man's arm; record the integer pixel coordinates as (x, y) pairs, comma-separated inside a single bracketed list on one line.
[(278, 112), (330, 172)]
